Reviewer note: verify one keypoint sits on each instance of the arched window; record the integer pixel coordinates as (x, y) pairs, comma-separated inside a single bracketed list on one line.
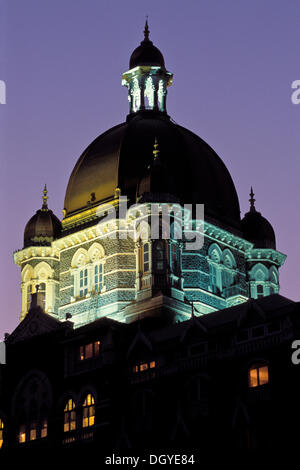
[(1, 432), (44, 427), (88, 416), (42, 290), (69, 416), (146, 257), (258, 375), (83, 282), (98, 277), (22, 433), (28, 297), (32, 431)]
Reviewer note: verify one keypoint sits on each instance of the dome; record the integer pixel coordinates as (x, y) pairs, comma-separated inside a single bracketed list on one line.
[(119, 158), (43, 227), (257, 229), (146, 53)]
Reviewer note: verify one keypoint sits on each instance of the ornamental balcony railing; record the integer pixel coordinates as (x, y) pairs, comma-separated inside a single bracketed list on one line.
[(233, 290)]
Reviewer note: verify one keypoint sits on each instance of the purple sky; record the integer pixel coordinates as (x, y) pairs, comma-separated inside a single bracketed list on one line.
[(233, 65)]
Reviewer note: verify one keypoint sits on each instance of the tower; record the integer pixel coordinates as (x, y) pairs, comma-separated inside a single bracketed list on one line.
[(39, 259)]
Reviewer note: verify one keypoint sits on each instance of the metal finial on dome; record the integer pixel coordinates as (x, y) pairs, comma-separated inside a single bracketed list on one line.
[(45, 198), (146, 30), (252, 200), (155, 150)]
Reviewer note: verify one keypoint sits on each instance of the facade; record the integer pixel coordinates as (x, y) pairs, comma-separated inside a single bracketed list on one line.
[(144, 331)]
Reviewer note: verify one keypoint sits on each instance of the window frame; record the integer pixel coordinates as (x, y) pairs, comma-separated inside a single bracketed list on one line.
[(88, 409), (257, 380), (70, 416)]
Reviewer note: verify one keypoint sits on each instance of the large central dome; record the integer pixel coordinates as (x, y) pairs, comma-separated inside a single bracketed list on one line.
[(120, 157)]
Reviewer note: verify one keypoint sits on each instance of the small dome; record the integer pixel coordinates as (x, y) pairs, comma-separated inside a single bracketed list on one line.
[(146, 53), (43, 227), (257, 229)]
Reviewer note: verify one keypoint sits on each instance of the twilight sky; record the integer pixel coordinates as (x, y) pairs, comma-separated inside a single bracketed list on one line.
[(233, 63)]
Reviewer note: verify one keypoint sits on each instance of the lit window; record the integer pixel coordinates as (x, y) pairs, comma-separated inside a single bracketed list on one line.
[(44, 428), (89, 350), (1, 432), (69, 416), (88, 411), (98, 277), (22, 434), (83, 282), (42, 290), (28, 297), (144, 366), (32, 431), (258, 375), (146, 257)]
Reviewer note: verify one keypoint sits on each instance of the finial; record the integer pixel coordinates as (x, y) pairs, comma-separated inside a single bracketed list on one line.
[(146, 30), (252, 200), (45, 198), (155, 150)]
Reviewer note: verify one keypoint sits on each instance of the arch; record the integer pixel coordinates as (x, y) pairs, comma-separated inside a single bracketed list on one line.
[(43, 271), (228, 259), (96, 252), (69, 415), (80, 258), (273, 275), (215, 253), (259, 273), (88, 389), (27, 273), (23, 388)]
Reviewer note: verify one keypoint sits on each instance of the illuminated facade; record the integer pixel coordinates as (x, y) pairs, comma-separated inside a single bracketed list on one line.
[(145, 340), (87, 270)]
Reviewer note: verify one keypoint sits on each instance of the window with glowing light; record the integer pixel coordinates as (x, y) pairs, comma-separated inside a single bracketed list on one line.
[(44, 428), (88, 417), (258, 375), (143, 366), (69, 416), (90, 350), (22, 434), (1, 433), (32, 431)]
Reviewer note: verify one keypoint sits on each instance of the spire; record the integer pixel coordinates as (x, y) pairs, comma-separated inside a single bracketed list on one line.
[(45, 198), (146, 30), (252, 201)]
